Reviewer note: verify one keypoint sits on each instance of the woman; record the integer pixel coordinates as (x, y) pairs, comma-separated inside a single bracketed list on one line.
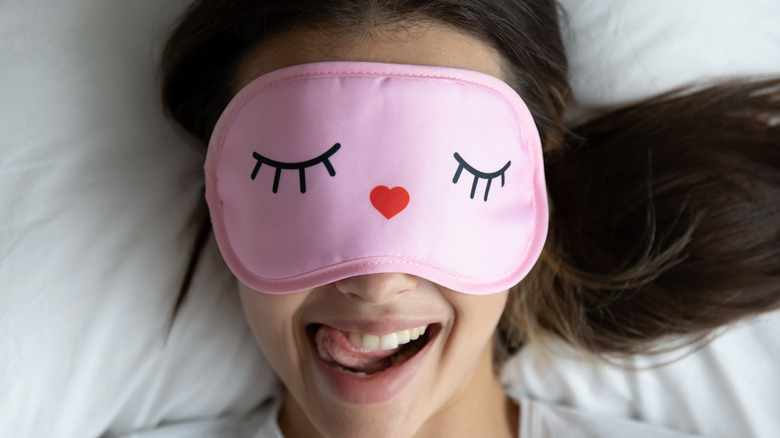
[(684, 241)]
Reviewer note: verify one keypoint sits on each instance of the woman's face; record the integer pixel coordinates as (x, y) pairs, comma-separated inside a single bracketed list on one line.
[(311, 337)]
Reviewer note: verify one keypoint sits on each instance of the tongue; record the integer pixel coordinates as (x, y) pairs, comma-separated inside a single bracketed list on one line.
[(333, 346)]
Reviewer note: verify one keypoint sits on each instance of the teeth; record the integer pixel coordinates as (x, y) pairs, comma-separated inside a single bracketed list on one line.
[(356, 339), (385, 342), (370, 342), (388, 342)]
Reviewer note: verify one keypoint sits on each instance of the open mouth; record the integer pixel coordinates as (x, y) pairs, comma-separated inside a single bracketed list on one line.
[(365, 355)]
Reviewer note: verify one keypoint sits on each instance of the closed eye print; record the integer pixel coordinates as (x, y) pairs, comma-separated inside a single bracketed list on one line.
[(489, 177), (300, 166)]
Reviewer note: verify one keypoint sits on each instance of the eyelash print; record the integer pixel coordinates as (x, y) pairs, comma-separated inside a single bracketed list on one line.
[(477, 175), (300, 166)]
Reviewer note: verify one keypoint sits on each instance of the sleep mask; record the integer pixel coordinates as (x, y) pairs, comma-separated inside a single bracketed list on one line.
[(324, 171)]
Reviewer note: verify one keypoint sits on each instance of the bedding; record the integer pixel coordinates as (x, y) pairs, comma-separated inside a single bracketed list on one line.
[(97, 191)]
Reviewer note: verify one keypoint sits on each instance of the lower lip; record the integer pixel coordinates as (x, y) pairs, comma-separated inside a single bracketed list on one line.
[(375, 388)]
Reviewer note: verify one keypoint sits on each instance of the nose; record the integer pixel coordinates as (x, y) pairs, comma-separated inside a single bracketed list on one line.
[(377, 288)]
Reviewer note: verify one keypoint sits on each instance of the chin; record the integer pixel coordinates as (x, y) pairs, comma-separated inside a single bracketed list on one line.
[(369, 422)]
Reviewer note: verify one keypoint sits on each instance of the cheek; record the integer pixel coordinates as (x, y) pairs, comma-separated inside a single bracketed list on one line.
[(467, 354), (484, 309), (271, 318), (477, 316)]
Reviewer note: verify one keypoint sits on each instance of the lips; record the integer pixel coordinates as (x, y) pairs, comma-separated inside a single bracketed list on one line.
[(366, 354), (367, 375)]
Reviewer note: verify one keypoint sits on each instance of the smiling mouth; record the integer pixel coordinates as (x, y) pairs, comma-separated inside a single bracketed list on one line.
[(365, 355)]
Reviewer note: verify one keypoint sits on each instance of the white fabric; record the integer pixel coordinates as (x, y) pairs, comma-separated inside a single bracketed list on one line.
[(621, 51), (730, 388), (541, 420), (537, 420), (96, 191), (95, 194), (259, 424)]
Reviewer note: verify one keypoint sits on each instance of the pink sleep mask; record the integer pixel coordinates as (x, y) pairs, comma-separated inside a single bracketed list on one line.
[(324, 171)]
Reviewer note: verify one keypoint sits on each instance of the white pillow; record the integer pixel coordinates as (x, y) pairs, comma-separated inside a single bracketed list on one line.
[(731, 388), (97, 191), (620, 52)]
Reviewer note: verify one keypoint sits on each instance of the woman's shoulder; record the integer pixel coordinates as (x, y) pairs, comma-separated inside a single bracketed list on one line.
[(261, 423), (544, 420)]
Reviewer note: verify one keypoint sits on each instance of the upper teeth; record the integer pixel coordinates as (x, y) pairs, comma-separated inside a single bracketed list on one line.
[(385, 342)]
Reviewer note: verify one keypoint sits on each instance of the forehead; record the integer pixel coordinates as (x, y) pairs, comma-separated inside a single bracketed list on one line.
[(417, 44)]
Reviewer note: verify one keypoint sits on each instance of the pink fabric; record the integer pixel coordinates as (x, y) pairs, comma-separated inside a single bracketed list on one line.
[(390, 133)]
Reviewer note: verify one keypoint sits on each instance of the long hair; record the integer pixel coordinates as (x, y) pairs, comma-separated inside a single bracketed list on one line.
[(664, 215)]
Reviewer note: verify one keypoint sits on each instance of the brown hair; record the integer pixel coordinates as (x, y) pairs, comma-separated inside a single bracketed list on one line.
[(664, 215)]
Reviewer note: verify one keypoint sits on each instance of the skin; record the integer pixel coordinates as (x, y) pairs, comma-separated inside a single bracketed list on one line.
[(455, 392)]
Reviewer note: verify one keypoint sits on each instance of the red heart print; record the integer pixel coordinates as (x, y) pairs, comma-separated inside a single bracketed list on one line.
[(389, 202)]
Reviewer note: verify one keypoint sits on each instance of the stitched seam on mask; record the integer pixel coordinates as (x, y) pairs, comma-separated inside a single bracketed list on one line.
[(312, 274)]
